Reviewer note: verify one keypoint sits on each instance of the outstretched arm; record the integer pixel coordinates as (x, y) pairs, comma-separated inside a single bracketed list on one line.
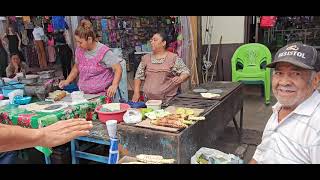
[(15, 137)]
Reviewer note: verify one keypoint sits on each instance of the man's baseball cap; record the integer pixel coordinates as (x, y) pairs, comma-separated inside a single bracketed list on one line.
[(298, 54)]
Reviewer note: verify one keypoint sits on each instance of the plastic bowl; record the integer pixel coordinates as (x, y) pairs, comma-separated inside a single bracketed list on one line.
[(116, 115), (22, 100), (4, 102), (154, 104), (7, 89), (71, 87)]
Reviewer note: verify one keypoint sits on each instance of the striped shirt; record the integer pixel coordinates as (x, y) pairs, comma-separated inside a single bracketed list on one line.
[(296, 139)]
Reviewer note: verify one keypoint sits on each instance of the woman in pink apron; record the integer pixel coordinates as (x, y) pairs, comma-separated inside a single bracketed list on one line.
[(98, 68), (162, 72)]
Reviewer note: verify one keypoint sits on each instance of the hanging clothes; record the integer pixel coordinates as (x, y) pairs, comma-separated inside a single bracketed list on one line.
[(67, 38), (50, 28), (26, 19), (3, 61), (12, 19), (24, 39), (51, 50), (31, 55), (13, 43), (58, 23), (104, 24)]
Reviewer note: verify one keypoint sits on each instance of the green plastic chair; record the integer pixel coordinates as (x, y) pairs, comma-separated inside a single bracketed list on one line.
[(249, 66)]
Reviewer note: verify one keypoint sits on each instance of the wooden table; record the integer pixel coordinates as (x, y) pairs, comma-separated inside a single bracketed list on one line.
[(183, 145)]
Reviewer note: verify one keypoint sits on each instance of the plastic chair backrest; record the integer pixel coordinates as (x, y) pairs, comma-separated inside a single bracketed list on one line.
[(251, 56)]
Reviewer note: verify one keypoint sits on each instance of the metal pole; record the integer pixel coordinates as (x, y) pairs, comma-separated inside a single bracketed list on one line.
[(257, 28)]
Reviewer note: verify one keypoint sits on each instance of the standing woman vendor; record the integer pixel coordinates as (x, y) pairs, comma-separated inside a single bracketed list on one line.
[(162, 72), (98, 68)]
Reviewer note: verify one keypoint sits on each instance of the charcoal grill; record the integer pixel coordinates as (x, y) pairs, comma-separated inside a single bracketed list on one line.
[(226, 87), (206, 104)]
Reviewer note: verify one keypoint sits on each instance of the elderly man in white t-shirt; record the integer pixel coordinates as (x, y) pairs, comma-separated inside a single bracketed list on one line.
[(292, 134)]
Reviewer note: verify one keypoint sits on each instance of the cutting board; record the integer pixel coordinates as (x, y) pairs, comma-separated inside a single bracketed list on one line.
[(147, 124)]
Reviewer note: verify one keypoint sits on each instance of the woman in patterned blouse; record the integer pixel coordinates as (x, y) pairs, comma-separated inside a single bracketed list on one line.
[(162, 72)]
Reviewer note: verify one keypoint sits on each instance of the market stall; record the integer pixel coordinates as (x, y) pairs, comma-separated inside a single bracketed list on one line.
[(181, 143), (132, 34), (44, 113), (50, 26), (205, 122), (277, 31)]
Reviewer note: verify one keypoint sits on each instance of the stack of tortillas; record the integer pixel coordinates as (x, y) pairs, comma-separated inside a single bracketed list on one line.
[(209, 95)]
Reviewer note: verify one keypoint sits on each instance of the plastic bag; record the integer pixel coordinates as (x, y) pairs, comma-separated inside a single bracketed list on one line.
[(132, 116), (212, 156)]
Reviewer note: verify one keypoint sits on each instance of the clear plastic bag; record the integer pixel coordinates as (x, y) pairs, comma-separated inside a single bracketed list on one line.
[(212, 156)]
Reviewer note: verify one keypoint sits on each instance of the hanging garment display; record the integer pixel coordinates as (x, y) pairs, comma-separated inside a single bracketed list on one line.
[(105, 38), (31, 55), (26, 19), (68, 38), (51, 51), (12, 18), (20, 25), (24, 39), (58, 23), (104, 24), (268, 21), (50, 28)]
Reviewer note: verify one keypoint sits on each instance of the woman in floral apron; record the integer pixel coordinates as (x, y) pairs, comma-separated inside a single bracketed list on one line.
[(98, 68), (162, 72)]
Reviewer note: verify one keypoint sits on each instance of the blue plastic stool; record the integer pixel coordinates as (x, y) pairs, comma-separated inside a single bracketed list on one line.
[(77, 152)]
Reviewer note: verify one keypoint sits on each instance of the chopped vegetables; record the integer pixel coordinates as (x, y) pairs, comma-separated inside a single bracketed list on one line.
[(157, 114)]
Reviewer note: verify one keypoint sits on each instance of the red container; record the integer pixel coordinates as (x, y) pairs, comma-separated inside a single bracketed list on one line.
[(116, 115)]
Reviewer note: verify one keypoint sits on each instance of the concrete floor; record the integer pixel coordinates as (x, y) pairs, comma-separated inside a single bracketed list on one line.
[(256, 115)]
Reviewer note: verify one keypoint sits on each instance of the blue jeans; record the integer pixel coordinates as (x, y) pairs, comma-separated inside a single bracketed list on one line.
[(8, 157)]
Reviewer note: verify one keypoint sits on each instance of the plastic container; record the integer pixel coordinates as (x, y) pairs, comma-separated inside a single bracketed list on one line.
[(112, 128), (13, 94), (29, 79), (46, 74), (132, 116), (71, 87), (137, 104), (4, 102), (7, 89), (8, 81), (22, 100), (116, 115), (154, 104)]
